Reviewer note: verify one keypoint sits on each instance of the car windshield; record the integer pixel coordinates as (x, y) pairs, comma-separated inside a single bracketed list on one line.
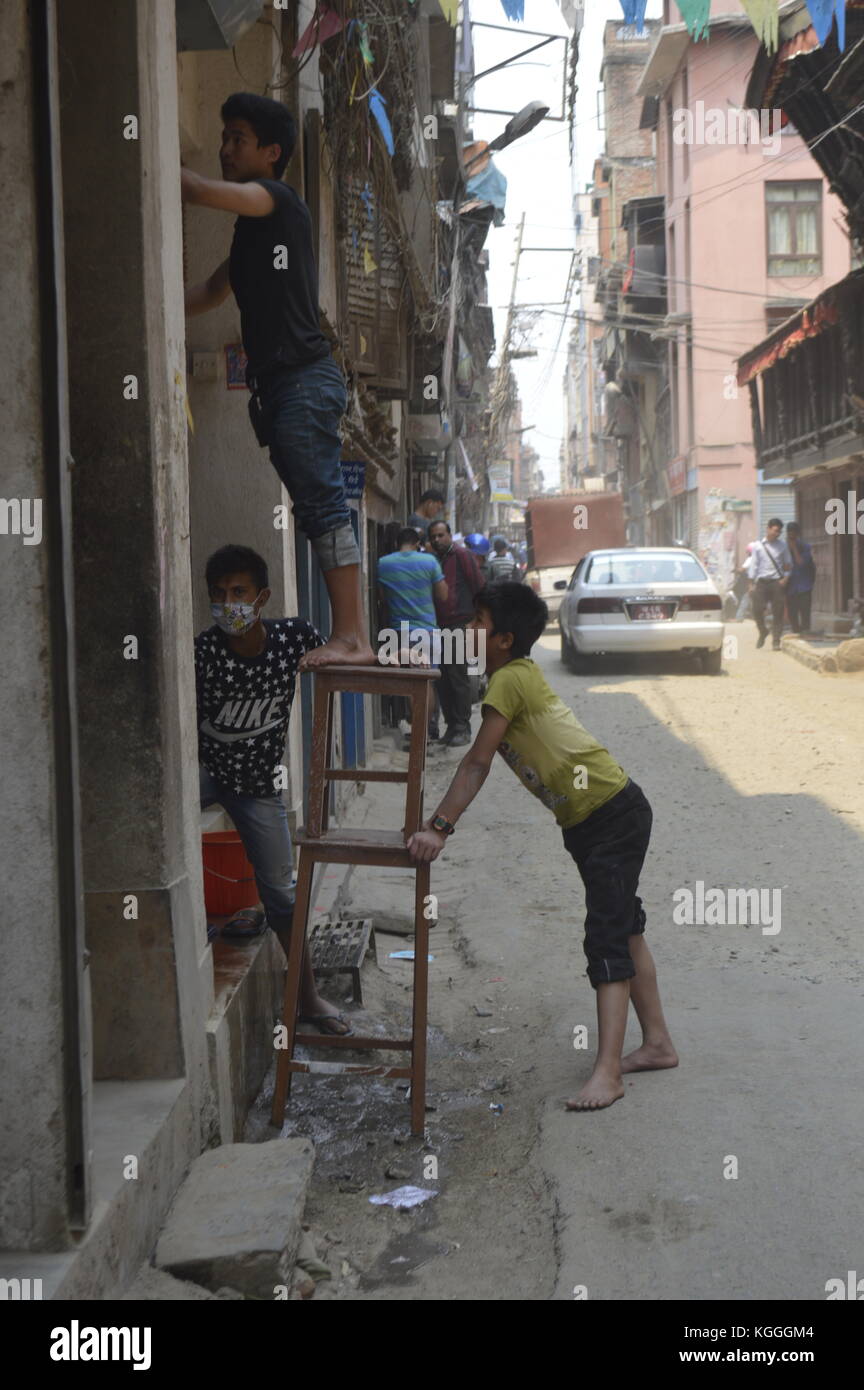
[(644, 569)]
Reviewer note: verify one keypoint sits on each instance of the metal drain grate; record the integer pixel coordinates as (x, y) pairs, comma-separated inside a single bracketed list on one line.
[(340, 948)]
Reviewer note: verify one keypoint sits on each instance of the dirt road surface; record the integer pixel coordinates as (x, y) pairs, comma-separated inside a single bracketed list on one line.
[(755, 781)]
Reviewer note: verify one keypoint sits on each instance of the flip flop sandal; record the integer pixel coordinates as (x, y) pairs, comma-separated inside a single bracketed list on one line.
[(244, 925), (319, 1019)]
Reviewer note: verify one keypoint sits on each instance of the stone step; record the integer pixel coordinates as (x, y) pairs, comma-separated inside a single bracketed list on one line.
[(236, 1221), (155, 1286)]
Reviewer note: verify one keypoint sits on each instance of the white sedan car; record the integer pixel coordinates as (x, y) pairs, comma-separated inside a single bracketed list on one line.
[(640, 599)]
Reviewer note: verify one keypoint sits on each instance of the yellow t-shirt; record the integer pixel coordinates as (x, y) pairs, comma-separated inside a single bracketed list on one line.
[(547, 747)]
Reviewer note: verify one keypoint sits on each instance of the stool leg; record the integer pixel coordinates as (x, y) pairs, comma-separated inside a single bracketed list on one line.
[(292, 987), (416, 759), (421, 989), (319, 788)]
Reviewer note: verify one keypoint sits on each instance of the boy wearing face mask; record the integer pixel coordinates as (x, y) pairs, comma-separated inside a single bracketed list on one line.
[(245, 675)]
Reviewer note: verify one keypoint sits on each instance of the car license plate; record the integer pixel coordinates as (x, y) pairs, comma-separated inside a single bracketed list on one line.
[(650, 612)]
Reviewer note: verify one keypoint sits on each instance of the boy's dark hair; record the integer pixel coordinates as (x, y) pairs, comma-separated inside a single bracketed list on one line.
[(517, 609), (272, 123), (234, 559), (775, 521), (432, 495), (439, 522), (407, 533)]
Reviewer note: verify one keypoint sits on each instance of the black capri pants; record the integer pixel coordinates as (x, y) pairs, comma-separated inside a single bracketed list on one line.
[(609, 849)]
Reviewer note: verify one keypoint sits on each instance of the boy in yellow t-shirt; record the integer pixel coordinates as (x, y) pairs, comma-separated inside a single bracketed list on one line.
[(605, 819)]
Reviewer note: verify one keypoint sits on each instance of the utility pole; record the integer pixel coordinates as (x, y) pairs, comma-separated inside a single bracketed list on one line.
[(499, 390), (505, 354)]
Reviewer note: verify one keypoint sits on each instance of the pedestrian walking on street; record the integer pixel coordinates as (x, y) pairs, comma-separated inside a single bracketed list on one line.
[(430, 508), (502, 566), (410, 583), (741, 588), (457, 610), (799, 591), (605, 821), (479, 546), (245, 677), (298, 391), (770, 567)]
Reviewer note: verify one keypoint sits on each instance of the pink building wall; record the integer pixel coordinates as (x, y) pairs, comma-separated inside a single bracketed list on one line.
[(717, 237)]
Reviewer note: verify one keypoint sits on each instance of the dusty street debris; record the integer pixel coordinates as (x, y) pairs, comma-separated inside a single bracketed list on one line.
[(403, 1198)]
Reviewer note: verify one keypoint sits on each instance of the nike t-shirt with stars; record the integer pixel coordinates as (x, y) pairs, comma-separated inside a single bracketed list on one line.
[(244, 703)]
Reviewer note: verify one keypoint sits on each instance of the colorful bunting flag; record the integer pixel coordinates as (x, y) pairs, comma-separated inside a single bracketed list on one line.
[(451, 11), (322, 26), (765, 18), (822, 13), (634, 12), (377, 107), (696, 15), (514, 9), (369, 261), (363, 43)]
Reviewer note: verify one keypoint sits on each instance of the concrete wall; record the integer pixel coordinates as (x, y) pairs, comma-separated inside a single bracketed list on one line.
[(152, 973), (34, 1153)]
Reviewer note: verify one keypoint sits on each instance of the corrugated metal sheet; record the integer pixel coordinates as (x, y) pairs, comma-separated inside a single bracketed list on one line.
[(776, 499)]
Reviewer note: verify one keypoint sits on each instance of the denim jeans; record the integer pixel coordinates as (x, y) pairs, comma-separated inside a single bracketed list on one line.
[(798, 607), (262, 824), (302, 407)]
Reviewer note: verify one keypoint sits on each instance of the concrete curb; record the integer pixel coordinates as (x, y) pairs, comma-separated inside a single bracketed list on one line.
[(805, 652)]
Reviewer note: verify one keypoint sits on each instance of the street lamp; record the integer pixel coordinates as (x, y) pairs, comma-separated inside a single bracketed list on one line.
[(518, 125)]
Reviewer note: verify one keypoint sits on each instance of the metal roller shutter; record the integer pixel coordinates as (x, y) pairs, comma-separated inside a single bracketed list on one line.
[(776, 499)]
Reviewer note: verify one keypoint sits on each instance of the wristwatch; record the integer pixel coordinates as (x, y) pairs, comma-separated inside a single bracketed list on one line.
[(442, 826)]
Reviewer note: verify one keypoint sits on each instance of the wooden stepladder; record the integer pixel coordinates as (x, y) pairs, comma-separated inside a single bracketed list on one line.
[(318, 844)]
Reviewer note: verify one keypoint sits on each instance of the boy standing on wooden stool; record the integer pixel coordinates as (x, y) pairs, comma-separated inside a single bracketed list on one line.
[(605, 819)]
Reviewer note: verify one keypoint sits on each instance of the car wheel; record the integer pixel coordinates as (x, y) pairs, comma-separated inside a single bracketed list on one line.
[(572, 659), (712, 662)]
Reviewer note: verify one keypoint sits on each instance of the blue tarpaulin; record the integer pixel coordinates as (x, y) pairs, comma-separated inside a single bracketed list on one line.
[(491, 187)]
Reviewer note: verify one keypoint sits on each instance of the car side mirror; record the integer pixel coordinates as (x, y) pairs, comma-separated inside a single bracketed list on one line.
[(560, 584)]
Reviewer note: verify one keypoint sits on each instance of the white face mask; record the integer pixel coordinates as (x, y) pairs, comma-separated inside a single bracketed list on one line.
[(235, 618)]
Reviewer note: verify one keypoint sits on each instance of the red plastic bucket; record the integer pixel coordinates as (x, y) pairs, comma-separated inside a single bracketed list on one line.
[(229, 880)]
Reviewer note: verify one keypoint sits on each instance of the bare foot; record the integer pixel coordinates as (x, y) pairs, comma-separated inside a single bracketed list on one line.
[(339, 651), (650, 1057), (597, 1093)]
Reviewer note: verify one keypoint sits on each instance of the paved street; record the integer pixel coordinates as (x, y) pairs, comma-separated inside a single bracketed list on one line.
[(755, 782)]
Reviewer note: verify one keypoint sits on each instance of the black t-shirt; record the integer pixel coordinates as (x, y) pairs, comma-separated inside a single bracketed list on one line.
[(244, 703), (421, 524), (278, 307)]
